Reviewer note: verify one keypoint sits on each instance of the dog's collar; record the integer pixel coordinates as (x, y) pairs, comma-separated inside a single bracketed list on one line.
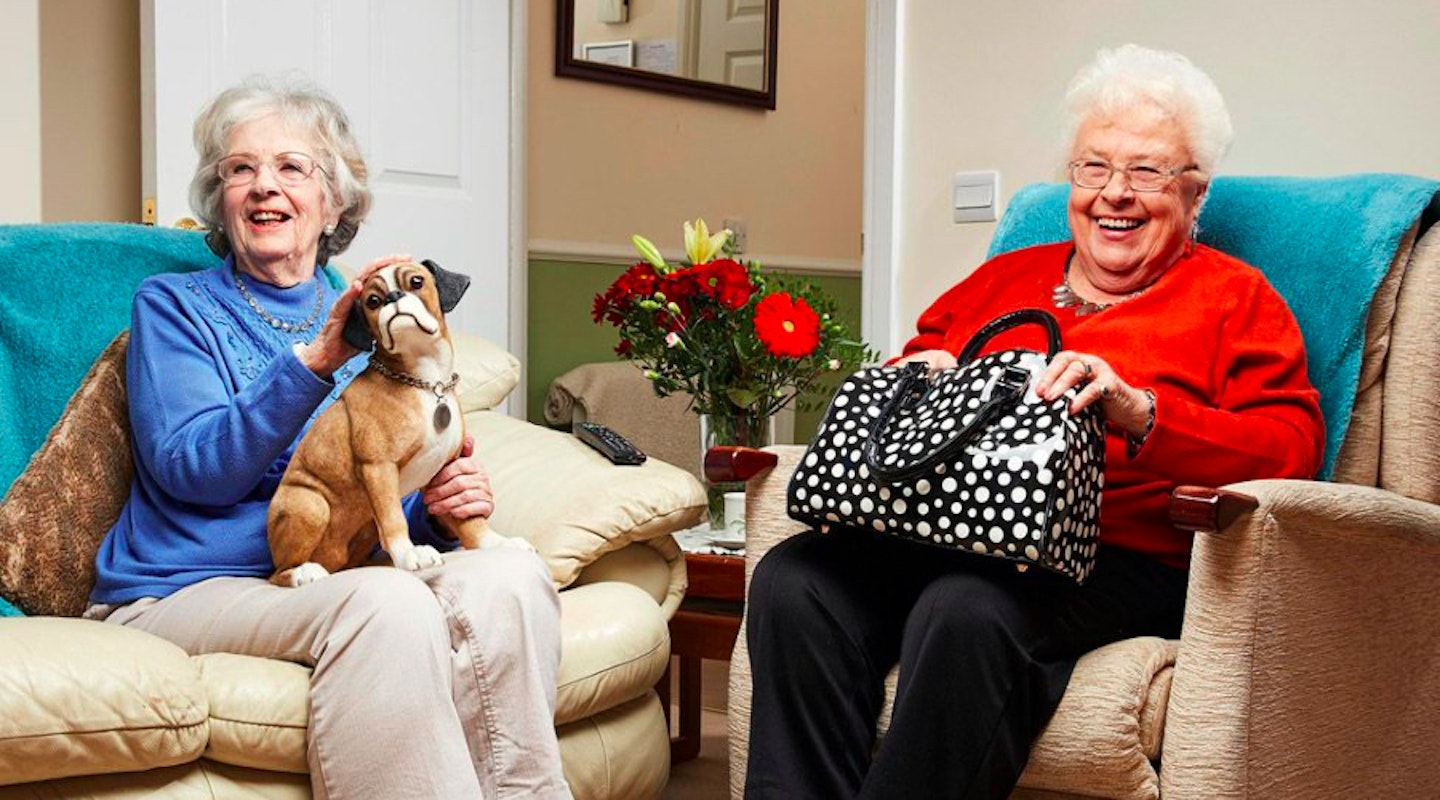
[(439, 388)]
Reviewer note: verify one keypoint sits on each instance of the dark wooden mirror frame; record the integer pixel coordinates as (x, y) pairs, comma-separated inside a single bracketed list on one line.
[(567, 65)]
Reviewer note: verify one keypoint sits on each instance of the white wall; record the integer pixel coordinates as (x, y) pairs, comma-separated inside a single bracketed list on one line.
[(20, 99), (1315, 87)]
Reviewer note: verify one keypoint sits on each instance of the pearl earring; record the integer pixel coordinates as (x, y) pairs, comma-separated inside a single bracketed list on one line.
[(329, 229)]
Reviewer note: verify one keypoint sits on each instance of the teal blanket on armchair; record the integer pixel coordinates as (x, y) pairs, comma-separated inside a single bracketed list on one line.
[(67, 293), (1297, 231)]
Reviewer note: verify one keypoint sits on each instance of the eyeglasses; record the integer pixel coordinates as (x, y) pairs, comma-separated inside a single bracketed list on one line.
[(291, 169), (1140, 177)]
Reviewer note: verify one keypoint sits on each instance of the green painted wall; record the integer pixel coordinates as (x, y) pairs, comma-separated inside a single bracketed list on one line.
[(561, 335)]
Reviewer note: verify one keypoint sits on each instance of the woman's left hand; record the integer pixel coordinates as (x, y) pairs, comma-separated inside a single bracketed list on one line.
[(462, 489), (1124, 405)]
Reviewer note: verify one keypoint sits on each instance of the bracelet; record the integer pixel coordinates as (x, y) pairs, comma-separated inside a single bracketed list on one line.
[(1134, 443)]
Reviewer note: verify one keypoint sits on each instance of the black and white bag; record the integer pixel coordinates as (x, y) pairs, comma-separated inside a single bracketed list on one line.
[(967, 459)]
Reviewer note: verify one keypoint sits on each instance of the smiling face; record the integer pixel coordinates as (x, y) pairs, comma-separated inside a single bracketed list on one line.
[(273, 227), (1124, 240)]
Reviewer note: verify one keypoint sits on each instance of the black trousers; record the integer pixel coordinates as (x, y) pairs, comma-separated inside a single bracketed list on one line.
[(985, 653)]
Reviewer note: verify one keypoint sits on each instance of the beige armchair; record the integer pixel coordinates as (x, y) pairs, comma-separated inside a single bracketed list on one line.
[(1309, 663), (92, 710)]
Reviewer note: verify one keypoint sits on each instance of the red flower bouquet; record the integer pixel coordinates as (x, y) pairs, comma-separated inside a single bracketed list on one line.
[(741, 342)]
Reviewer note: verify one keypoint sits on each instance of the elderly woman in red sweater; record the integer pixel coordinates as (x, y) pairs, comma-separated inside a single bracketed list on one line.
[(1199, 368)]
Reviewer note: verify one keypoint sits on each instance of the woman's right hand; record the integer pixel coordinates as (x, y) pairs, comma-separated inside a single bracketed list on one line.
[(934, 360), (329, 351)]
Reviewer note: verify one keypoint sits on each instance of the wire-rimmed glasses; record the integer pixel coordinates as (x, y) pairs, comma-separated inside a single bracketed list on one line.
[(1096, 174), (291, 169)]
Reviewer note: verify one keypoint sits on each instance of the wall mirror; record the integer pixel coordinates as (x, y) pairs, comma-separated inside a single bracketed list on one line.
[(721, 50)]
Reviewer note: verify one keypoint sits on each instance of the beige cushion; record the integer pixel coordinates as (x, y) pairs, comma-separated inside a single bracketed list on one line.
[(259, 711), (85, 698), (619, 754), (487, 372), (1109, 725), (57, 511), (614, 646), (571, 503)]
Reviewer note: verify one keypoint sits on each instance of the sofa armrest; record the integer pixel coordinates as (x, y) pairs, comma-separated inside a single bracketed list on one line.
[(84, 698), (575, 506), (1307, 661)]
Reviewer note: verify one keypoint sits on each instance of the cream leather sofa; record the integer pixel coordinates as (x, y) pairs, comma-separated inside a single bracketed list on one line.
[(90, 710)]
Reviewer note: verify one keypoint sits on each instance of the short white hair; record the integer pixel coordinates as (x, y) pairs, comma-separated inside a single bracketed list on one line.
[(307, 109), (1131, 76)]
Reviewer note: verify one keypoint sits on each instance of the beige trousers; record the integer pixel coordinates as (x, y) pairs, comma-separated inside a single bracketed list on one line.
[(433, 684)]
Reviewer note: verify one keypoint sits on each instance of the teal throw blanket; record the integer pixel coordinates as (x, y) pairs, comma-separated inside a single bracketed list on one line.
[(1324, 243), (67, 293)]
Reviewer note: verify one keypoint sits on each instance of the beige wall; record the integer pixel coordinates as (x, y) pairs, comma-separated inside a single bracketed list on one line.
[(1315, 87), (20, 99), (648, 19), (90, 110), (606, 161)]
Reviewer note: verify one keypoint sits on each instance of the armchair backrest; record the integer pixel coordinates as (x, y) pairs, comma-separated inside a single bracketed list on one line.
[(1358, 261)]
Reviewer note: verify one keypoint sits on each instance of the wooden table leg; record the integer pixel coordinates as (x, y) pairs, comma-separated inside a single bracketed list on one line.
[(686, 745)]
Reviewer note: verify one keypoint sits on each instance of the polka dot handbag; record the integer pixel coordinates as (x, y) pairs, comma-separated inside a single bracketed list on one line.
[(968, 459)]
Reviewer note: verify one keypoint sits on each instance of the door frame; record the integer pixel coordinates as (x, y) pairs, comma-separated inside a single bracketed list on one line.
[(881, 193)]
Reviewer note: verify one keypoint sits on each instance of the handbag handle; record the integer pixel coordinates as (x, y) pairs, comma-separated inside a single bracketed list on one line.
[(913, 383), (1006, 393), (997, 326)]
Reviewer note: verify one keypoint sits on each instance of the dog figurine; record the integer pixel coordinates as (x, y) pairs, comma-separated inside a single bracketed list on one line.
[(392, 429)]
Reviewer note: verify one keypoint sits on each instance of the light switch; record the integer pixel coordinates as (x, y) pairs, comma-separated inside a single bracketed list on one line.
[(974, 195)]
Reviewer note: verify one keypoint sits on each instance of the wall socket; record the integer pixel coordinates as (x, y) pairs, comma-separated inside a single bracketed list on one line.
[(737, 232)]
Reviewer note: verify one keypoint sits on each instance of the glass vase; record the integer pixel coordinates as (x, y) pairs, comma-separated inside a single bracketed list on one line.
[(742, 429)]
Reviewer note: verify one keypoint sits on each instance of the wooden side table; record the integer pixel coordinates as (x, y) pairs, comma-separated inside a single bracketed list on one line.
[(705, 626)]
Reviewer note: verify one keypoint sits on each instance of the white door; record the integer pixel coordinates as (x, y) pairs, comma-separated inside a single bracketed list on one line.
[(427, 85), (730, 42)]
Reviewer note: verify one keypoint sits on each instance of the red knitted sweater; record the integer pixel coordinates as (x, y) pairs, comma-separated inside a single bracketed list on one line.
[(1211, 338)]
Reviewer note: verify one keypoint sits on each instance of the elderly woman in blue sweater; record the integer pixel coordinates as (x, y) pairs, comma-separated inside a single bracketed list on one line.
[(436, 683)]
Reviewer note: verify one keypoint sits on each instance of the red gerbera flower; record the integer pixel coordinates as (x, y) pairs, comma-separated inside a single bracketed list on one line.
[(788, 327)]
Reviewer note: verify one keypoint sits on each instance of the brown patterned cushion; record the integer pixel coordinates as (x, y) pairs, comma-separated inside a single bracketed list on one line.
[(71, 492)]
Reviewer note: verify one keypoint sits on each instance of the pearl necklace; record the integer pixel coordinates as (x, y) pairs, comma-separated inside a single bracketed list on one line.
[(278, 324)]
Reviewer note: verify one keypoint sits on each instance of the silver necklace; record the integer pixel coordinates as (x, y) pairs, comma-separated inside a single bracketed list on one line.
[(279, 324), (1065, 297), (438, 388)]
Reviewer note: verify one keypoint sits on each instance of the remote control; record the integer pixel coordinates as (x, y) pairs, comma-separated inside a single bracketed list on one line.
[(609, 444)]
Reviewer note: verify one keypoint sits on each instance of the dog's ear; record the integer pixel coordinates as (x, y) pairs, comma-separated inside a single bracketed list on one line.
[(357, 332), (450, 285)]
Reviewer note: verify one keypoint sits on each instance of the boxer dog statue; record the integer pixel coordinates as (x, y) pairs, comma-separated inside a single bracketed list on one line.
[(392, 429)]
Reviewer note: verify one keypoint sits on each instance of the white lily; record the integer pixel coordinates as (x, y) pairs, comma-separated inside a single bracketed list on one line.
[(700, 245)]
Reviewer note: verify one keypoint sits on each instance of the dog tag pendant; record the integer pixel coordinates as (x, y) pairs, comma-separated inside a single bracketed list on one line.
[(442, 416)]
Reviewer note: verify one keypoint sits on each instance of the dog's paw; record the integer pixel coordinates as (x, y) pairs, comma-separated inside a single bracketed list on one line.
[(309, 572), (419, 557)]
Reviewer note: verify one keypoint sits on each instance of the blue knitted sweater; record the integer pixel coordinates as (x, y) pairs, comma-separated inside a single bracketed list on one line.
[(218, 401)]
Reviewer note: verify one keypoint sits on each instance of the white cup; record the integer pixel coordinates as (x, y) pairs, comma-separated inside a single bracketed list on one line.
[(735, 514)]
